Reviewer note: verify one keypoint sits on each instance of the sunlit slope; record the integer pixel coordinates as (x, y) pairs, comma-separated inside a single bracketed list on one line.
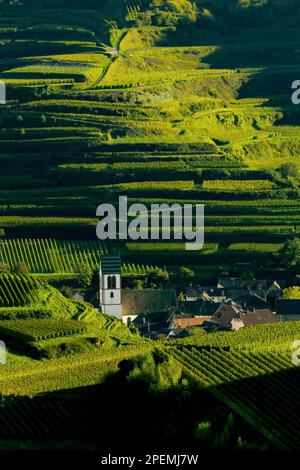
[(99, 107)]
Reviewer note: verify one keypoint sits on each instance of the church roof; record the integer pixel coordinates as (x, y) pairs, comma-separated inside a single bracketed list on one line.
[(147, 301), (110, 264)]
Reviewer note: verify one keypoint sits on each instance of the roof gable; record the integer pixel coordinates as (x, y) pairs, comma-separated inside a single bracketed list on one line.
[(225, 313)]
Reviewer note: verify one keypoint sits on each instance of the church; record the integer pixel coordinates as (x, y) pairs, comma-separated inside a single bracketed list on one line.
[(129, 305), (110, 286)]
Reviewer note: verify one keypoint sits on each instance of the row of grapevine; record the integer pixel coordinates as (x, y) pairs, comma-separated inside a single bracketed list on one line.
[(66, 372), (18, 290), (45, 256), (50, 256), (38, 418), (36, 330), (269, 336), (239, 185)]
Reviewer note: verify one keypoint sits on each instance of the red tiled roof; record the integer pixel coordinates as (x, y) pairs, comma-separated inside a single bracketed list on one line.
[(258, 317), (187, 322)]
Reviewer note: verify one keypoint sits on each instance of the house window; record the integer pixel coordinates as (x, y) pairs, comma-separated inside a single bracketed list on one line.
[(111, 295)]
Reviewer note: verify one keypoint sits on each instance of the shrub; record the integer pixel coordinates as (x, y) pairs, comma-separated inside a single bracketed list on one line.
[(65, 348), (85, 275), (22, 268), (66, 292)]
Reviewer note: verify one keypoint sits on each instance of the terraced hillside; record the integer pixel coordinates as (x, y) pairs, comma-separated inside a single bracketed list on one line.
[(104, 102)]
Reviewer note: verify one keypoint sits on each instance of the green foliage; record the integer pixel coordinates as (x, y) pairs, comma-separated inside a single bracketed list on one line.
[(289, 169), (255, 247), (138, 284), (4, 267), (186, 273), (18, 290), (223, 440), (289, 254), (22, 268), (204, 433), (291, 293), (84, 275), (267, 337), (160, 377), (248, 275), (173, 12), (65, 373), (169, 115), (36, 330), (240, 185), (66, 292), (157, 278), (22, 296), (46, 256)]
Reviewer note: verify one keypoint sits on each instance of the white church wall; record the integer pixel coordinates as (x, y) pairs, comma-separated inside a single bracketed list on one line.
[(114, 310)]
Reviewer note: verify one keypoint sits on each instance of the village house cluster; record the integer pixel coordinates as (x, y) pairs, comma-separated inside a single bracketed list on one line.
[(230, 305)]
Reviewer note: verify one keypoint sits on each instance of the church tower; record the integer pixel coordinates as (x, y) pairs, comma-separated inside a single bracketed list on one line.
[(110, 286)]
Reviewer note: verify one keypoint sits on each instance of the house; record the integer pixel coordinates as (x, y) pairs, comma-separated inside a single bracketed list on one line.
[(217, 294), (288, 309), (152, 324), (233, 317), (225, 313), (194, 293), (266, 289), (256, 317), (201, 307), (178, 333), (229, 282), (250, 300)]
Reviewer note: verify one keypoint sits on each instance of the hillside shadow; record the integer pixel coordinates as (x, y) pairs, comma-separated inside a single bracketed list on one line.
[(265, 71), (119, 416), (269, 62)]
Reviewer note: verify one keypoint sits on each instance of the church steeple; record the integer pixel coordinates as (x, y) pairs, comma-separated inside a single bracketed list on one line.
[(110, 286)]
